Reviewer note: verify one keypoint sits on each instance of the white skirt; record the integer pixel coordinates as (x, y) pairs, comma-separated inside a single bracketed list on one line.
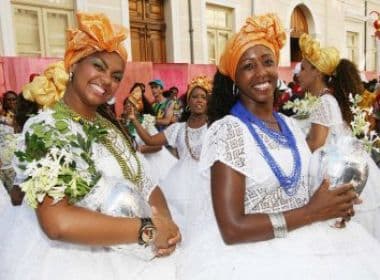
[(312, 252), (4, 199), (26, 253)]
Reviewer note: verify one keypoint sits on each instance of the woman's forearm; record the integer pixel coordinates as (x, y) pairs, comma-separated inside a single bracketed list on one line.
[(146, 149), (152, 140), (258, 227), (65, 222), (157, 200)]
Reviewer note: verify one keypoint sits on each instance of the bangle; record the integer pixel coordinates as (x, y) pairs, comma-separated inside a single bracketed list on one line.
[(278, 221)]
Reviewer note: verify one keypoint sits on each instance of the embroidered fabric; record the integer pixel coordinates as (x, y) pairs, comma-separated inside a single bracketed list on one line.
[(229, 141), (39, 257), (175, 135), (110, 170), (206, 256)]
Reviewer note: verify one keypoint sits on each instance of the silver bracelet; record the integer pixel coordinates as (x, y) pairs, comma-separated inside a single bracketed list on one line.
[(278, 221)]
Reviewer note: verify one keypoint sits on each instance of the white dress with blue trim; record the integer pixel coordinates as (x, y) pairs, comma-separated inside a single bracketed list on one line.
[(317, 251)]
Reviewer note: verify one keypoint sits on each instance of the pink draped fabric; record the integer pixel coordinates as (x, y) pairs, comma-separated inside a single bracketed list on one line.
[(135, 72), (201, 69), (15, 71), (172, 74)]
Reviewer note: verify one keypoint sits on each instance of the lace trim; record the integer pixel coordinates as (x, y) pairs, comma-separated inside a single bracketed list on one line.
[(228, 142), (326, 112)]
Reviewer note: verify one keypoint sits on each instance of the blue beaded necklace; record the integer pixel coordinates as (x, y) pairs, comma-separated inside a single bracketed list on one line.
[(286, 139)]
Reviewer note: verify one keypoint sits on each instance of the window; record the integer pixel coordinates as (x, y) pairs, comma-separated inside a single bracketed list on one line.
[(352, 46), (219, 30), (41, 31), (372, 55)]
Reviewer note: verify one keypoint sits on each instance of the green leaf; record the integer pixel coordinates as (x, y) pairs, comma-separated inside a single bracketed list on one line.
[(61, 125)]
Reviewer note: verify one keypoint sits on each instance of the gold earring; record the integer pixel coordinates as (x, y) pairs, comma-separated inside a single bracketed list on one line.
[(71, 76)]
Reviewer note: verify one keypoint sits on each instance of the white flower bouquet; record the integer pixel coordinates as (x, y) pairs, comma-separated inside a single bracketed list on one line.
[(360, 125), (58, 162), (302, 107), (148, 122)]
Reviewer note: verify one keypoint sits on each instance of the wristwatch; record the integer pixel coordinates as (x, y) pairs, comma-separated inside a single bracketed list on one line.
[(147, 231)]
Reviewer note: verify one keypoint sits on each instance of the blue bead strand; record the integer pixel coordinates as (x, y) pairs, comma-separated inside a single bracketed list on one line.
[(288, 183)]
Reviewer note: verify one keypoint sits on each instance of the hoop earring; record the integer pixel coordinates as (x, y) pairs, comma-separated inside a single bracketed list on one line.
[(71, 74), (235, 90)]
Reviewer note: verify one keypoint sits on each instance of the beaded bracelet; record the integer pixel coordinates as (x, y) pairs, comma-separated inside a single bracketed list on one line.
[(278, 221)]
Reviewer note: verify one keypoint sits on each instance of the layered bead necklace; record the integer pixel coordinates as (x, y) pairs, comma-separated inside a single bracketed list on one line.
[(134, 176), (192, 153), (288, 183)]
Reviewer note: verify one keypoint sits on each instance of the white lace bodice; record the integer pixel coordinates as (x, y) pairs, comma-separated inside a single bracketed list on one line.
[(327, 113), (175, 135), (230, 142), (105, 163)]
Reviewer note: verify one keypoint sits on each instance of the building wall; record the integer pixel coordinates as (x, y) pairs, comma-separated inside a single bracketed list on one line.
[(328, 20)]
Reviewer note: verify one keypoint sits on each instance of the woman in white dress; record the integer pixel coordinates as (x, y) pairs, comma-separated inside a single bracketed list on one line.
[(187, 137), (158, 157), (81, 158), (332, 79), (266, 224)]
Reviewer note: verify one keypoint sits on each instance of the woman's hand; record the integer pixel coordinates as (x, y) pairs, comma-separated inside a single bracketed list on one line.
[(130, 113), (328, 204), (168, 234)]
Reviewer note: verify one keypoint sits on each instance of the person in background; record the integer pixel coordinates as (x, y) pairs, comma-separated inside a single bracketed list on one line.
[(162, 107), (333, 80), (158, 157), (178, 104), (9, 108), (186, 136)]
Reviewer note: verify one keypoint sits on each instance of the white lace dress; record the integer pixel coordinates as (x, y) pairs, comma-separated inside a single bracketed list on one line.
[(26, 252), (160, 162), (327, 113), (311, 252), (185, 175)]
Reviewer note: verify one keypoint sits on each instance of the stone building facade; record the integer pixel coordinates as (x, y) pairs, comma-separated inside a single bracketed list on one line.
[(192, 31)]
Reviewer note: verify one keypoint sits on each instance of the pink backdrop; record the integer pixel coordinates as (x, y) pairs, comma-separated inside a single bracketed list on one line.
[(15, 72)]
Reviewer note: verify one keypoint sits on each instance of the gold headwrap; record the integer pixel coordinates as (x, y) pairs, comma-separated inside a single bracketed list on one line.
[(136, 99), (263, 30), (202, 82), (95, 33), (48, 88), (324, 59)]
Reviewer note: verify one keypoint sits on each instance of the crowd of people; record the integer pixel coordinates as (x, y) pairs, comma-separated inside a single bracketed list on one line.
[(211, 184)]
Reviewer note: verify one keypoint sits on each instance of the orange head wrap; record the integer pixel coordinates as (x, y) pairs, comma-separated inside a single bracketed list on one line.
[(95, 33), (324, 59), (202, 82), (263, 30)]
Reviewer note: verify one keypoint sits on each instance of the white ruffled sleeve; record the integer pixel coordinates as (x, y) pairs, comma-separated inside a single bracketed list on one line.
[(324, 113), (171, 133), (225, 142)]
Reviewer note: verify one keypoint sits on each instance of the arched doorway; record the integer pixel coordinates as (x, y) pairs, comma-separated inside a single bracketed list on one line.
[(299, 25)]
